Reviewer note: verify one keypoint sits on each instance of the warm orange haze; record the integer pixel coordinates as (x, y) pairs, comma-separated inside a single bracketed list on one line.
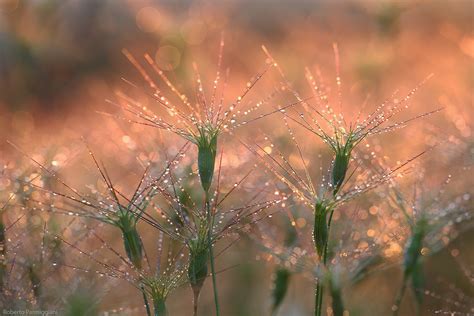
[(236, 157)]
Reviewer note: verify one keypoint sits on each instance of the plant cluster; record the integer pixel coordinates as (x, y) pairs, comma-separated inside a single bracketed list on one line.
[(182, 200)]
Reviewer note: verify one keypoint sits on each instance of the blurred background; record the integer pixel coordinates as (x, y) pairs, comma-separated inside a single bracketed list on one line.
[(61, 59)]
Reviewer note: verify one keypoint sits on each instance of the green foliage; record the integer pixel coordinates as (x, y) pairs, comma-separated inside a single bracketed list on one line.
[(418, 281), (159, 307), (412, 263), (413, 248), (336, 295), (82, 303), (280, 287)]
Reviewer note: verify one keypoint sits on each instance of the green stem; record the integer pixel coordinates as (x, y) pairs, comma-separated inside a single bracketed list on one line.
[(325, 256), (319, 287), (211, 254), (147, 306), (318, 298), (399, 298)]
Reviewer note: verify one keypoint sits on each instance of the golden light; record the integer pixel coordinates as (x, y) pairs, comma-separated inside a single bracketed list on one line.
[(148, 19), (168, 57), (194, 32)]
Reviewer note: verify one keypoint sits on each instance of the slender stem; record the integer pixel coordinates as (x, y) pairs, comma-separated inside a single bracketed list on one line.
[(325, 254), (318, 298), (321, 300), (147, 306), (211, 254), (399, 298), (195, 302)]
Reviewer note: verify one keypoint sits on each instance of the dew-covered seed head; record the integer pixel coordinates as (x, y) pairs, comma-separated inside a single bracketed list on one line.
[(133, 246), (207, 149), (197, 269), (126, 222), (321, 230), (340, 167)]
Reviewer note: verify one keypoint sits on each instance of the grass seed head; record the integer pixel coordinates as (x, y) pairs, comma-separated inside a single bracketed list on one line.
[(197, 269), (320, 230), (126, 222), (207, 149), (341, 164), (160, 285)]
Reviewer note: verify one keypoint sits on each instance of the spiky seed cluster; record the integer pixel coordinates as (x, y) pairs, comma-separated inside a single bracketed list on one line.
[(202, 126), (204, 117), (424, 231), (342, 140), (161, 284)]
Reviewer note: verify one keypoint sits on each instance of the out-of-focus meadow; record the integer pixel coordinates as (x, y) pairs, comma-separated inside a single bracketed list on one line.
[(63, 72)]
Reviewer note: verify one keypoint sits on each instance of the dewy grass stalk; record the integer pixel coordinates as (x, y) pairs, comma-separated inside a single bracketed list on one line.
[(201, 127), (428, 217), (322, 224), (324, 202), (127, 223), (412, 261), (321, 227), (207, 150), (198, 259), (159, 286), (342, 140), (119, 211), (198, 227)]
